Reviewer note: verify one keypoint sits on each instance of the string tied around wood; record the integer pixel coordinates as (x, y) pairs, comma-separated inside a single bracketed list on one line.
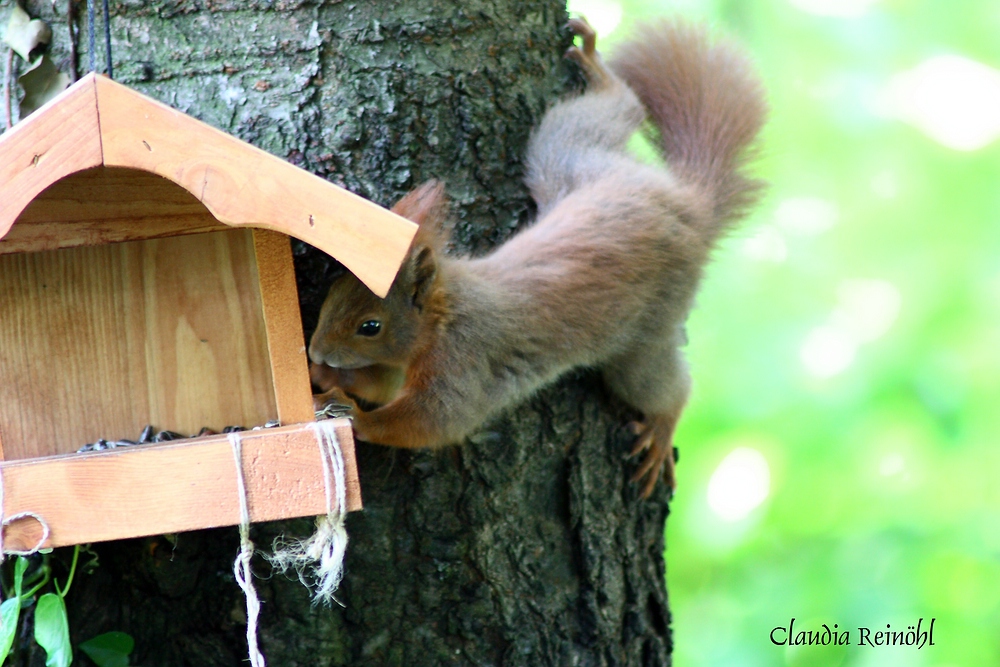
[(319, 559), (241, 567), (7, 520)]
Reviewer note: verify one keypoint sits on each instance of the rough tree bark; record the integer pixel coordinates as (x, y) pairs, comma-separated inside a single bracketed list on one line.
[(527, 546)]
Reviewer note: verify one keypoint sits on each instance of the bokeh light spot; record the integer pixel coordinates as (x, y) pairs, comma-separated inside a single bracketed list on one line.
[(841, 8), (952, 99), (740, 483), (603, 15)]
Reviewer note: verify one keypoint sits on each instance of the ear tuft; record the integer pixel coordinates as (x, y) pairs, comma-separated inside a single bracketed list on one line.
[(424, 269), (427, 205)]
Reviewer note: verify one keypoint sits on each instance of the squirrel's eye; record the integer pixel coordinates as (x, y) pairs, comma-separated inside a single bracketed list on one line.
[(369, 328)]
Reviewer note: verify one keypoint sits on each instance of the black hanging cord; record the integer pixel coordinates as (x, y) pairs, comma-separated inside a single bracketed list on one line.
[(107, 37), (73, 35), (90, 34)]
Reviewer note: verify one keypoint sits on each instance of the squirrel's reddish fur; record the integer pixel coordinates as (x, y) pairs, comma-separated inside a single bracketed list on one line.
[(605, 277)]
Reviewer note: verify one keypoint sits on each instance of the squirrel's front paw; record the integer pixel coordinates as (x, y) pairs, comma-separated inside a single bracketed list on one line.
[(323, 376), (334, 398)]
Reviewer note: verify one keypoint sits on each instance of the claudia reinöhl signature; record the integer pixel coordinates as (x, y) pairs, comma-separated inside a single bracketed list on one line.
[(918, 635)]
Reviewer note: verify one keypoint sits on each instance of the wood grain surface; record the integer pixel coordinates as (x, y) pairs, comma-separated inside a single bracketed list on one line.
[(96, 342), (59, 139), (169, 488), (107, 205)]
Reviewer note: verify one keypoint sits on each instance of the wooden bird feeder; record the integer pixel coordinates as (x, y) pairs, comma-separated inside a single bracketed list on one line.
[(146, 278)]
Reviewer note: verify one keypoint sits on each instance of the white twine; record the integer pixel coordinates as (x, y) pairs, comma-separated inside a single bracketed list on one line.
[(319, 559), (241, 568), (6, 521)]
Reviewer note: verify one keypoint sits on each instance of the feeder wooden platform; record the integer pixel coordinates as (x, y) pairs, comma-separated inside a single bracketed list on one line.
[(146, 278), (171, 487)]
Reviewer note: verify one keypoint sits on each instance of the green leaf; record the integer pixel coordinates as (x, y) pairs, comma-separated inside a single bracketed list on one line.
[(41, 82), (52, 630), (20, 567), (25, 33), (10, 610), (111, 649)]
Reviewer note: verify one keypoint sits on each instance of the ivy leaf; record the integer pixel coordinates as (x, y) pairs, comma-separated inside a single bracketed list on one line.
[(10, 610), (111, 649), (52, 630), (25, 33), (41, 83)]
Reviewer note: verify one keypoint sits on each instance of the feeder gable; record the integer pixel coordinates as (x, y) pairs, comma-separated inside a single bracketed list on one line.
[(99, 122)]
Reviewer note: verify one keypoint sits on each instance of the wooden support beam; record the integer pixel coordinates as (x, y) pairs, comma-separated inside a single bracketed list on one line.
[(279, 300), (169, 488)]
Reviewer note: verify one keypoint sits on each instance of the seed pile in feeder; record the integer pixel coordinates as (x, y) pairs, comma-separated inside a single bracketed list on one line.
[(150, 435)]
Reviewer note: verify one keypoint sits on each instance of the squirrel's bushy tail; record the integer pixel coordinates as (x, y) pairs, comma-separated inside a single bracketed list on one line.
[(708, 104)]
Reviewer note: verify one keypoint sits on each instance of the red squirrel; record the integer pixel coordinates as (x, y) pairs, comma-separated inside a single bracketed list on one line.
[(604, 278)]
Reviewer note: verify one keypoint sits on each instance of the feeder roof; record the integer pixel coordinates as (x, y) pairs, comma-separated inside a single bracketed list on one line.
[(99, 122)]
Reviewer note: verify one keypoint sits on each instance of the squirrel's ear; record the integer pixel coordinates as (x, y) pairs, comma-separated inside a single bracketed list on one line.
[(427, 206), (423, 268)]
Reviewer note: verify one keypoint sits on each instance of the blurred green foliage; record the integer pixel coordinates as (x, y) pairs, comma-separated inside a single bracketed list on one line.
[(849, 336)]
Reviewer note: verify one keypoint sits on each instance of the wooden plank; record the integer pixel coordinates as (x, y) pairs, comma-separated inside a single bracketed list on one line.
[(285, 341), (96, 342), (103, 205), (242, 185), (169, 488), (60, 138), (206, 346)]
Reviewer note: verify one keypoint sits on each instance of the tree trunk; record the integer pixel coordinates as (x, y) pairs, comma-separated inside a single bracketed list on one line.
[(527, 545)]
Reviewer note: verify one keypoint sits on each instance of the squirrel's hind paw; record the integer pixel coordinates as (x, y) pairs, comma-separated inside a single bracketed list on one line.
[(655, 437), (580, 27), (587, 56)]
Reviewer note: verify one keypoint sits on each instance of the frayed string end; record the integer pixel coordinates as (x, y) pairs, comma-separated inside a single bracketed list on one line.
[(241, 567), (318, 560)]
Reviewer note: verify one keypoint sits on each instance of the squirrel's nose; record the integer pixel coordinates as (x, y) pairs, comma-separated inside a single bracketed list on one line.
[(315, 356)]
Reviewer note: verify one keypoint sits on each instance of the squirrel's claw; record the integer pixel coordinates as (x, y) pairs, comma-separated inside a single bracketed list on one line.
[(655, 437), (637, 429), (580, 27), (587, 56)]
